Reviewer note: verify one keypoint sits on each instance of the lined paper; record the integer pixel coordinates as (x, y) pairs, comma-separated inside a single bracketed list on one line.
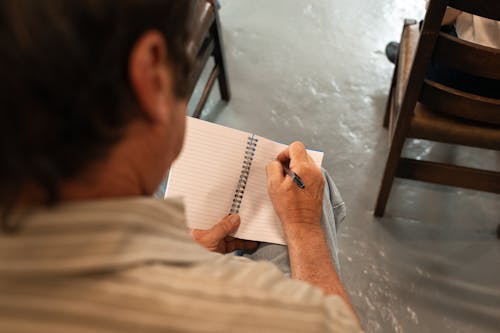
[(256, 205), (206, 176), (206, 172)]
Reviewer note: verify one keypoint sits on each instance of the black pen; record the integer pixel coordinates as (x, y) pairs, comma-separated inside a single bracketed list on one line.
[(296, 179)]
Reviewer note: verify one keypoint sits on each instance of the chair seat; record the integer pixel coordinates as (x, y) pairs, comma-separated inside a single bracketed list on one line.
[(202, 17), (430, 125)]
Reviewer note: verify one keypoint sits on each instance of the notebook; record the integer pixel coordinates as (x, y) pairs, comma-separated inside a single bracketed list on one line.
[(223, 170)]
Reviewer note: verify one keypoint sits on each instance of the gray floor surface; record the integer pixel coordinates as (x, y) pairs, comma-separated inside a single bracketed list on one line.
[(315, 71)]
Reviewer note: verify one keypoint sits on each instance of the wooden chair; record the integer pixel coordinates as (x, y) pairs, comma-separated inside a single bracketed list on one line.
[(421, 108), (205, 41)]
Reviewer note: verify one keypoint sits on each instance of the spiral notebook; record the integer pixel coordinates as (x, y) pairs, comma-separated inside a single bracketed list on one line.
[(222, 170)]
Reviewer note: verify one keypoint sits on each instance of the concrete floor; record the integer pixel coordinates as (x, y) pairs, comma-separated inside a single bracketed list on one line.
[(315, 71)]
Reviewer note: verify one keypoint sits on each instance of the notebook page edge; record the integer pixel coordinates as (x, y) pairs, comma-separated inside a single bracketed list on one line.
[(213, 212)]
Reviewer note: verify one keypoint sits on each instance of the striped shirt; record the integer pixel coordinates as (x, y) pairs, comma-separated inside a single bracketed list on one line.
[(130, 265)]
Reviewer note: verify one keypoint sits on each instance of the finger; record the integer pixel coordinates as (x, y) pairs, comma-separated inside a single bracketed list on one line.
[(274, 171), (284, 157), (297, 153), (250, 245), (225, 227), (240, 244), (231, 247), (198, 233)]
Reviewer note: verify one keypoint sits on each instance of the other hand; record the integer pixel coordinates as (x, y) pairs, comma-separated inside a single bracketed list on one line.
[(217, 239), (293, 205)]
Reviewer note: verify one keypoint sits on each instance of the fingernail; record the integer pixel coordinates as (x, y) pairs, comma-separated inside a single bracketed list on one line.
[(234, 219)]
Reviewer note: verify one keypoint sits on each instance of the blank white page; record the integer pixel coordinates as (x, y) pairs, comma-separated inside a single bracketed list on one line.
[(256, 205), (207, 171)]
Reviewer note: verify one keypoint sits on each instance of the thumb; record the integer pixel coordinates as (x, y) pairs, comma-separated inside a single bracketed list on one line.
[(228, 225)]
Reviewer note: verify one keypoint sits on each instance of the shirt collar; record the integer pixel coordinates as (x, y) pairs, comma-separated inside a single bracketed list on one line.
[(101, 235)]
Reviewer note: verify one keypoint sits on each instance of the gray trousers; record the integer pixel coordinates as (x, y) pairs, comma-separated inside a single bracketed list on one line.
[(333, 214)]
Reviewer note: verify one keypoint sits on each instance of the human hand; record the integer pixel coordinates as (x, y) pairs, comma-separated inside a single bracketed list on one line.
[(217, 239), (293, 205)]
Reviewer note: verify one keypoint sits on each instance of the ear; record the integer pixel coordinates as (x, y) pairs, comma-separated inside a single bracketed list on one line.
[(150, 75)]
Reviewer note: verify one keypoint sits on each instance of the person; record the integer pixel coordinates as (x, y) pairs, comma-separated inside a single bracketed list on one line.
[(92, 114), (472, 28)]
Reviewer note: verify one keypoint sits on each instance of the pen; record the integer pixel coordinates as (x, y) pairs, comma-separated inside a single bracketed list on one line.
[(296, 179)]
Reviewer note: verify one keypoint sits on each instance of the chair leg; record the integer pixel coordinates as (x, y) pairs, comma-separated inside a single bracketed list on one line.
[(386, 185), (391, 167), (204, 96), (392, 162), (389, 105), (402, 122), (220, 60)]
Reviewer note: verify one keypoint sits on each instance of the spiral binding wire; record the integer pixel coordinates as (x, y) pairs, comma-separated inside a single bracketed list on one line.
[(245, 172)]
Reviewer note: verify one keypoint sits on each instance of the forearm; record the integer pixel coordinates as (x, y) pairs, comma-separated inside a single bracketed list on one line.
[(299, 209), (310, 259)]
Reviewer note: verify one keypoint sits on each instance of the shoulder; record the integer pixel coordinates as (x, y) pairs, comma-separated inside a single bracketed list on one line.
[(219, 295), (236, 291)]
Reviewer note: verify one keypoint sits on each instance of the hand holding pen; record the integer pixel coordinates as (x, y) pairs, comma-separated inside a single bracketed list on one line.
[(296, 179), (299, 200)]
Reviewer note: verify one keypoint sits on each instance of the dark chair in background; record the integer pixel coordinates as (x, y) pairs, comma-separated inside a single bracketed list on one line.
[(424, 109), (205, 41)]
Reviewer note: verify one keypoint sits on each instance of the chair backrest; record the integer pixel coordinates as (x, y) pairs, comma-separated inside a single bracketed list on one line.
[(448, 51), (485, 8), (468, 57)]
